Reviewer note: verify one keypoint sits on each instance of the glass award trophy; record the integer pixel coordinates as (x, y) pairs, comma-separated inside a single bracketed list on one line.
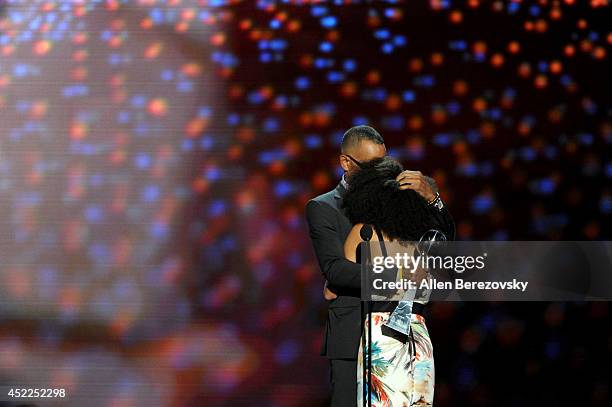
[(399, 320)]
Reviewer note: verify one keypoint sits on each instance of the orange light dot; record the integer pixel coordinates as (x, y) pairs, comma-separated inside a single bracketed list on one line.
[(188, 14), (320, 180), (456, 17), (321, 119), (245, 24), (479, 104), (497, 60), (438, 116), (192, 69), (115, 42), (293, 147), (306, 61), (181, 27), (217, 39), (333, 36), (348, 89), (39, 109), (416, 64), (117, 24), (523, 129), (540, 81), (153, 50), (541, 26), (506, 102), (373, 77), (460, 88), (80, 55), (524, 70), (78, 131), (79, 73), (225, 72), (112, 5), (479, 47), (196, 126), (514, 47), (586, 46), (4, 80), (80, 11), (158, 107), (555, 13), (305, 119), (569, 50), (281, 16), (266, 92), (117, 157), (246, 134), (8, 50), (80, 38), (555, 115), (487, 129), (117, 80), (393, 102), (236, 91), (373, 20), (277, 167), (555, 67), (294, 26), (415, 123), (146, 23), (200, 185), (42, 47), (460, 148), (437, 59), (234, 152), (599, 52)]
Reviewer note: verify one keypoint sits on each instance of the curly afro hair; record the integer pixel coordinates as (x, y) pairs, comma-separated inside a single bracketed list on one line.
[(374, 197)]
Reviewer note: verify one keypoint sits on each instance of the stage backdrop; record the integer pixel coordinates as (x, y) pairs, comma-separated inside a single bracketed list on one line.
[(156, 157)]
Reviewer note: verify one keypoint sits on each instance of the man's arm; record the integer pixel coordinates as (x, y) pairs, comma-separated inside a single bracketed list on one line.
[(442, 216), (329, 247)]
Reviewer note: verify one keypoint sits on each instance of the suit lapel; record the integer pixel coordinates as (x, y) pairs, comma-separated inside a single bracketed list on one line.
[(338, 195), (339, 191), (345, 224)]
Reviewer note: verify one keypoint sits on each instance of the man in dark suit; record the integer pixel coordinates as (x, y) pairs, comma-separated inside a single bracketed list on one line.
[(329, 227)]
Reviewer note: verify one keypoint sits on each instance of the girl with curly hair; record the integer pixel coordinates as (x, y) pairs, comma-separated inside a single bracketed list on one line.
[(402, 367)]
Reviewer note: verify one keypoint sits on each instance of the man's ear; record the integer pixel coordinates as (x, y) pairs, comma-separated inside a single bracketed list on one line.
[(344, 163)]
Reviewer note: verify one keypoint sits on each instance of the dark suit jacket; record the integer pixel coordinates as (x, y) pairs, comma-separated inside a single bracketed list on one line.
[(329, 228)]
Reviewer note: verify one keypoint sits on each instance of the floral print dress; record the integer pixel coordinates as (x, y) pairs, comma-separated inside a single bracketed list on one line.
[(402, 372)]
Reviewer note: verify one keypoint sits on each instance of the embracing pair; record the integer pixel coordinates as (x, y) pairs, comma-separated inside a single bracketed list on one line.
[(398, 205)]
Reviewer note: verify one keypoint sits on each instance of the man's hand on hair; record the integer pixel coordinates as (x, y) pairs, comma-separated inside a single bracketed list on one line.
[(415, 180)]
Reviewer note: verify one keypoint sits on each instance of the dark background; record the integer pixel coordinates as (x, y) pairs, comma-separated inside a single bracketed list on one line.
[(156, 157)]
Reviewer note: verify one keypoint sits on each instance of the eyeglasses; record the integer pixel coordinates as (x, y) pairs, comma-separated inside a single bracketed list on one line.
[(360, 165)]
